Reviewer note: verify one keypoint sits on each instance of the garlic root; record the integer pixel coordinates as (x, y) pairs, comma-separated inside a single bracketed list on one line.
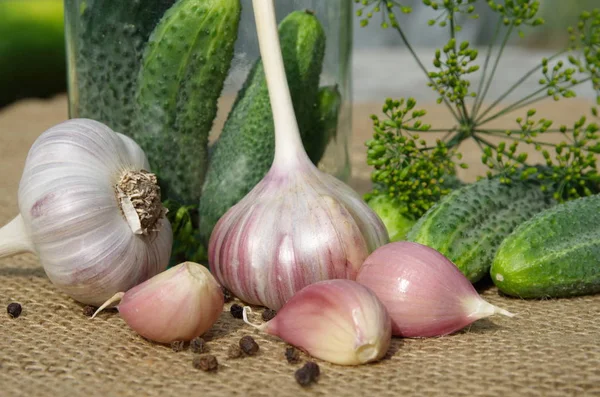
[(116, 297), (247, 321)]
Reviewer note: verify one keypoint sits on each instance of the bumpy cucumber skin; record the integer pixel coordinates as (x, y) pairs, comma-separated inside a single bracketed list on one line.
[(111, 35), (329, 102), (184, 68), (245, 149), (469, 224), (554, 254)]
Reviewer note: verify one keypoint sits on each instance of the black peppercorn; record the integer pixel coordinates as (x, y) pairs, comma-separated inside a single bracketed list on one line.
[(14, 310), (89, 311), (236, 311), (227, 295), (308, 374), (314, 368), (234, 351), (206, 362), (268, 314), (248, 345), (178, 345), (292, 355), (197, 345)]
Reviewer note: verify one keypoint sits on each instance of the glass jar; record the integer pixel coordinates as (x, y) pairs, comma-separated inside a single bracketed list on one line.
[(99, 32), (107, 54)]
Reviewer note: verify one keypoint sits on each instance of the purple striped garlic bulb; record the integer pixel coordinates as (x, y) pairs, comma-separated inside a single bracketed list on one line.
[(298, 225)]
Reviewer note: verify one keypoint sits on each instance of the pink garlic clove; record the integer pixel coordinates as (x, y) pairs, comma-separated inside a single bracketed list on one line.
[(178, 304), (423, 291), (339, 321)]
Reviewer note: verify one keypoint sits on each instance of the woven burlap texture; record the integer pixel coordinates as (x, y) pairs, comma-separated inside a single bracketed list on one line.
[(551, 348)]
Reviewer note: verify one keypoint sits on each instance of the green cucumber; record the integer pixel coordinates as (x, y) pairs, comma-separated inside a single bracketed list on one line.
[(329, 102), (110, 39), (245, 149), (184, 67), (468, 225), (391, 213), (554, 254)]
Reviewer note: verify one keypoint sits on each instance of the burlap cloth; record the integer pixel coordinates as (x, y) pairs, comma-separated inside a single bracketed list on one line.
[(551, 348)]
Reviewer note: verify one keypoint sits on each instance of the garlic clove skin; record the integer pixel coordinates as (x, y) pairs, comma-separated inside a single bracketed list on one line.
[(72, 217), (178, 304), (424, 292), (339, 321), (292, 230)]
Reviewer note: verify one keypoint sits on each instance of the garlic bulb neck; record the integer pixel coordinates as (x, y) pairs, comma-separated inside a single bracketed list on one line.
[(139, 195), (13, 238), (288, 144)]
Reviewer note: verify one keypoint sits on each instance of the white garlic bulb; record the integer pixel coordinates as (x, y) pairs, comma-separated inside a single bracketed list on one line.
[(298, 225), (90, 211)]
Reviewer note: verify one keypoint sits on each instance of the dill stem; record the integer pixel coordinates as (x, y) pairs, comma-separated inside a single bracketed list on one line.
[(526, 101), (515, 138), (462, 108), (448, 134), (478, 97), (429, 130), (485, 142), (496, 62), (422, 67), (517, 105), (479, 142), (516, 85), (551, 130)]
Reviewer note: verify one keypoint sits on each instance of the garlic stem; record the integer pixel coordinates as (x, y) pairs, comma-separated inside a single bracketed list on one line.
[(14, 239), (245, 311), (129, 212), (139, 197), (288, 144), (116, 297)]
